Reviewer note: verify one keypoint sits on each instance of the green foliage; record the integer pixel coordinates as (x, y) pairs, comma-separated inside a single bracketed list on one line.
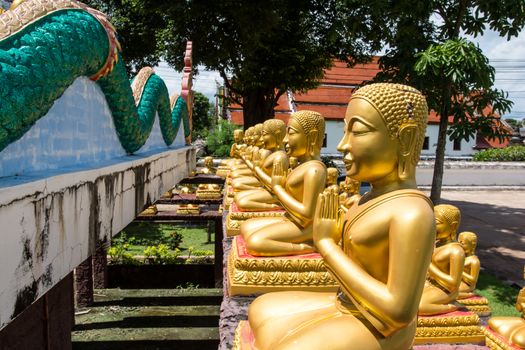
[(144, 233), (220, 139), (328, 162), (119, 252), (508, 154), (469, 91), (514, 124), (161, 255), (202, 116), (427, 52), (261, 48)]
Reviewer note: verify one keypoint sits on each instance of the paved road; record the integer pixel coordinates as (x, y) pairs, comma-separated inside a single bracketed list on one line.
[(476, 177)]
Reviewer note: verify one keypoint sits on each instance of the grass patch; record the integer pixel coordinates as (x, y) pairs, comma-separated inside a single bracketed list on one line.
[(140, 235), (501, 296)]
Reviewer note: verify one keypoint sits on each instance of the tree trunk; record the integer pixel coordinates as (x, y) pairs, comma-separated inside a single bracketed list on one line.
[(258, 106), (437, 178)]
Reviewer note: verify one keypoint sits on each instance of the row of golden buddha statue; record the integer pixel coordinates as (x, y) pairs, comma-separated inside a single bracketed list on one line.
[(342, 270)]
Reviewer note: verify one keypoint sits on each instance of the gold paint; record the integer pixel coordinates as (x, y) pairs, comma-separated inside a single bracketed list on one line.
[(247, 275), (468, 241), (297, 193), (188, 209), (208, 168), (494, 342), (449, 329), (272, 135), (151, 210), (349, 193), (512, 329), (387, 238), (446, 269), (208, 191)]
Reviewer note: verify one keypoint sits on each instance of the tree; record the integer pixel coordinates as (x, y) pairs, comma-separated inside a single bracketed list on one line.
[(427, 50), (202, 116), (261, 48)]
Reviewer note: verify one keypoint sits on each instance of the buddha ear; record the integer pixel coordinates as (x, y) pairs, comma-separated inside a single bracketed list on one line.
[(408, 135), (312, 141)]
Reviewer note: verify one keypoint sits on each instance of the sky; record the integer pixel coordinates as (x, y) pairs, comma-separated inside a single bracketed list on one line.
[(508, 57)]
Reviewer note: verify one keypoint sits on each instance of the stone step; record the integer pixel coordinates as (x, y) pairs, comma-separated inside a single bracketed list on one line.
[(145, 297), (149, 319), (147, 338)]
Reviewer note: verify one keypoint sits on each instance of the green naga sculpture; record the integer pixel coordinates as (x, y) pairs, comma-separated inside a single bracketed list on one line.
[(46, 44)]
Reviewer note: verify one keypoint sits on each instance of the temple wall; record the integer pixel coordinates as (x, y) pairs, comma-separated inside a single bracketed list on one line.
[(67, 186), (77, 130), (51, 225)]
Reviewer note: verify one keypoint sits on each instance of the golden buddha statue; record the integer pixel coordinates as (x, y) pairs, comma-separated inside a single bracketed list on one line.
[(238, 146), (331, 179), (296, 192), (349, 192), (468, 241), (236, 150), (273, 134), (208, 168), (387, 239), (250, 155), (292, 164), (446, 269), (512, 329)]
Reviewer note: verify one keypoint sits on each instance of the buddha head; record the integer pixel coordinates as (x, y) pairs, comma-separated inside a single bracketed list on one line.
[(248, 136), (384, 131), (447, 221), (468, 241), (238, 136), (257, 135), (331, 176), (305, 135), (273, 134)]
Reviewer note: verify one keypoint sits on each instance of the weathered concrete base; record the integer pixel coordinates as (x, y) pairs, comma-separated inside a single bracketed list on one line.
[(50, 224), (84, 283), (46, 324), (100, 268)]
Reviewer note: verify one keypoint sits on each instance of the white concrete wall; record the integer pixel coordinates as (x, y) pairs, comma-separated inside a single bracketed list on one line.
[(52, 224), (77, 130), (335, 130), (467, 147)]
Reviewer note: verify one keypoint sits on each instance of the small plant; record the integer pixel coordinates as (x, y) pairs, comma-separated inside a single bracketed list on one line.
[(508, 154), (119, 251)]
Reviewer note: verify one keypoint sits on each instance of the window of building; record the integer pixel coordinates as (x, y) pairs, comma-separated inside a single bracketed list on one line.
[(425, 143), (324, 141), (457, 145)]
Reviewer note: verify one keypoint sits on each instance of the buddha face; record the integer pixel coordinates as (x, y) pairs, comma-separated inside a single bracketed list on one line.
[(269, 139), (467, 243), (295, 140), (443, 229), (238, 136), (208, 162), (369, 152)]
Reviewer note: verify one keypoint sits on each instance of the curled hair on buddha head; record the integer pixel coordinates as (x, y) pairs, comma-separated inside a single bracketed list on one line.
[(257, 129), (449, 214), (276, 127), (309, 121), (398, 105)]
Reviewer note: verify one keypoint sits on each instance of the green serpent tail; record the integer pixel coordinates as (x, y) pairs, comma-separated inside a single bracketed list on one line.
[(42, 58)]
